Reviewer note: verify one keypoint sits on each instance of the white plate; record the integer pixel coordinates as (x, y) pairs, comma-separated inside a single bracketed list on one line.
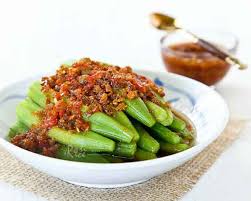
[(201, 104)]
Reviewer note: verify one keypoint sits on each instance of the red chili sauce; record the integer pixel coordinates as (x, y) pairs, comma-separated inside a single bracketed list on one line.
[(192, 60)]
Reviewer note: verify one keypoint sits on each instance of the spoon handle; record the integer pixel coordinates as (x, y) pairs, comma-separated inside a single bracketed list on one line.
[(222, 54)]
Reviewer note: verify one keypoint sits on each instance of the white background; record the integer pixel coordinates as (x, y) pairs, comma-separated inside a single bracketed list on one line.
[(37, 35)]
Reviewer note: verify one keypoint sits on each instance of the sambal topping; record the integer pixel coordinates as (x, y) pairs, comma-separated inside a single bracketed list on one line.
[(101, 87), (36, 140)]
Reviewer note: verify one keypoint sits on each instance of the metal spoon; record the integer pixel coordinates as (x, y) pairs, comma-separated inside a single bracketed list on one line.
[(168, 23)]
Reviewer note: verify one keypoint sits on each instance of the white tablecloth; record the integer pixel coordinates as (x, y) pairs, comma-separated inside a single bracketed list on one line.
[(37, 35)]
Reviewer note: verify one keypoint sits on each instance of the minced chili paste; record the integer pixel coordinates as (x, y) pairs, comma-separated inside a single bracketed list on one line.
[(192, 60), (99, 86)]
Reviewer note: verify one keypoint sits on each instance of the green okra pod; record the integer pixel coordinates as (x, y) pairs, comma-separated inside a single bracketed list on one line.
[(168, 110), (186, 134), (26, 113), (85, 141), (173, 148), (137, 109), (16, 129), (170, 115), (165, 134), (177, 124), (68, 153), (146, 141), (142, 155), (112, 158), (161, 115), (109, 127), (35, 93), (125, 149), (123, 119)]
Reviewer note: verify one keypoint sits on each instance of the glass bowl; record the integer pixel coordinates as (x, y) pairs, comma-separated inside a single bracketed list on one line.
[(181, 55)]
